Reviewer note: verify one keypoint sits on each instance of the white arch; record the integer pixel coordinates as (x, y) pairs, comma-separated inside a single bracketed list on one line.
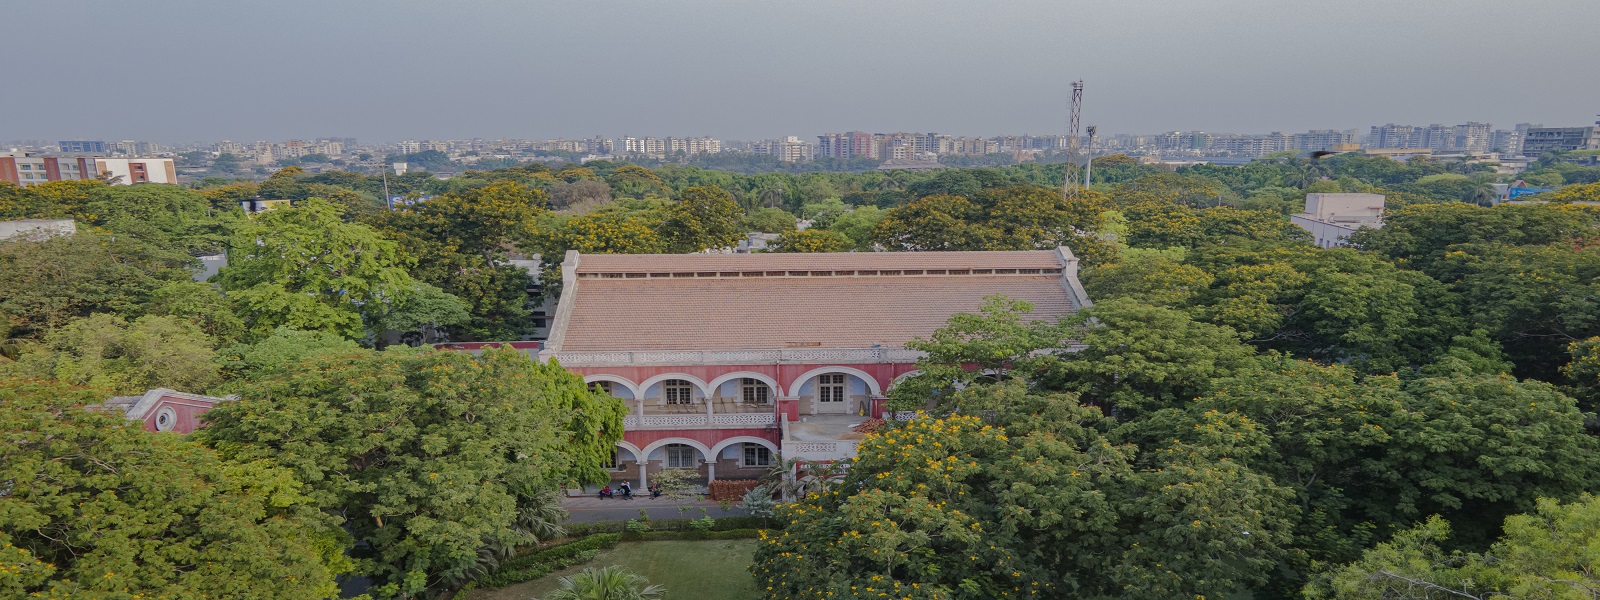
[(651, 449), (872, 382), (644, 386), (777, 390), (625, 445), (743, 439), (615, 379), (904, 376)]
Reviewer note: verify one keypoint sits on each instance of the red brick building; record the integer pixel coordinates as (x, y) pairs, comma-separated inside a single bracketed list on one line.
[(728, 360), (162, 409)]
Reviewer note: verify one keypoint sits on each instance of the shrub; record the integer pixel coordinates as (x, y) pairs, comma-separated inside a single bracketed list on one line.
[(534, 565), (732, 489)]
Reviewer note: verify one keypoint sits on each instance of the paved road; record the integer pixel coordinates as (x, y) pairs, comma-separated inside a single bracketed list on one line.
[(590, 510)]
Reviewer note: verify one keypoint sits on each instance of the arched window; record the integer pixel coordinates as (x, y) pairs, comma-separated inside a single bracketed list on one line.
[(682, 456), (756, 455), (830, 387), (679, 391), (754, 391)]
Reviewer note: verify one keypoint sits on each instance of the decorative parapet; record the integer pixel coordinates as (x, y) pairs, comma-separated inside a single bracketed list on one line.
[(740, 357), (819, 451), (734, 420)]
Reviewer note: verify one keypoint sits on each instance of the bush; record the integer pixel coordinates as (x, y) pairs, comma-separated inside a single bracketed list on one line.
[(657, 536), (533, 565), (732, 489), (578, 530)]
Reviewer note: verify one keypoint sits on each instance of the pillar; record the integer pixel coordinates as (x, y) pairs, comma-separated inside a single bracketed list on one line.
[(711, 471)]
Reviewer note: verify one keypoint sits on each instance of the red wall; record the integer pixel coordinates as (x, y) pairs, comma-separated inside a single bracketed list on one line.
[(884, 373), (187, 411)]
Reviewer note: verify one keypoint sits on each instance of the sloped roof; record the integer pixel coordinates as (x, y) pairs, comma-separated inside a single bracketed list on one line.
[(774, 301)]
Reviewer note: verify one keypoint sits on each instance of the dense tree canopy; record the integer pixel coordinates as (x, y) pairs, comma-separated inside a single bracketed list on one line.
[(94, 507), (425, 457)]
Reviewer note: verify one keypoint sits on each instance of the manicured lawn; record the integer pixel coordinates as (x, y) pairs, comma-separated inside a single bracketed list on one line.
[(700, 570)]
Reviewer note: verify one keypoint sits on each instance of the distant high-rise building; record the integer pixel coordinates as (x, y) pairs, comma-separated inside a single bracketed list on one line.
[(854, 144), (1540, 140), (1436, 137), (1318, 140), (27, 169), (409, 147), (83, 147), (1473, 137), (1508, 142), (1392, 136)]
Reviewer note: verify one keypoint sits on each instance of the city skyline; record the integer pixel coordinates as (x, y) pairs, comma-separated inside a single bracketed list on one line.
[(745, 71)]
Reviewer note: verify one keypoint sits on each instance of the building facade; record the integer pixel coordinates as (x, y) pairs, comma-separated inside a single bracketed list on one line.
[(727, 361), (129, 171), (1539, 140), (25, 169), (162, 409), (1332, 218)]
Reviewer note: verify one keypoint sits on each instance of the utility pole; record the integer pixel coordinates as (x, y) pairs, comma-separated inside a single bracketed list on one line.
[(1070, 190), (1088, 159)]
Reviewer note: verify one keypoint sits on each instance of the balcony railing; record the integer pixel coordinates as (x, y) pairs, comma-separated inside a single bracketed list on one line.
[(733, 420), (740, 357)]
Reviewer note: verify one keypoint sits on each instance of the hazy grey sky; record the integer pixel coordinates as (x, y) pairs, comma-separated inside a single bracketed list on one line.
[(178, 70)]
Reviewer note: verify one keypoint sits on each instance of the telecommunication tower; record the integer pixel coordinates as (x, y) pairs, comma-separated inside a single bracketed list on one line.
[(1070, 190)]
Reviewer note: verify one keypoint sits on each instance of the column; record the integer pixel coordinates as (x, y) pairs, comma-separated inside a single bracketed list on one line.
[(640, 403), (711, 471), (644, 468)]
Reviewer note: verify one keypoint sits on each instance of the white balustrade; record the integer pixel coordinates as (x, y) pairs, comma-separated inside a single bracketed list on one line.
[(746, 357), (752, 419)]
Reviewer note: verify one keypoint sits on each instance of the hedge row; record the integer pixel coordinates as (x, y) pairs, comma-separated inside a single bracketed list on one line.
[(534, 565), (654, 536), (732, 489), (723, 524)]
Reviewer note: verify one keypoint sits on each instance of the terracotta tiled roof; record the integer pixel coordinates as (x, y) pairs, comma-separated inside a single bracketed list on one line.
[(727, 310), (623, 263)]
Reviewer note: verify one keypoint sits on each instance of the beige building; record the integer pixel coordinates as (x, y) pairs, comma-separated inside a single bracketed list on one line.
[(1331, 218), (128, 171)]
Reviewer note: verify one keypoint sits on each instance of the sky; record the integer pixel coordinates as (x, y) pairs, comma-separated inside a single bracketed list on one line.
[(201, 70)]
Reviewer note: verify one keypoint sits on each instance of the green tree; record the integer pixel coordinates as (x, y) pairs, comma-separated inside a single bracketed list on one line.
[(279, 353), (45, 283), (95, 508), (1038, 501), (1544, 554), (702, 218), (424, 456), (305, 268), (1583, 372), (938, 222), (108, 352), (858, 225), (1156, 277), (606, 583), (201, 304), (1141, 357), (810, 240), (769, 220)]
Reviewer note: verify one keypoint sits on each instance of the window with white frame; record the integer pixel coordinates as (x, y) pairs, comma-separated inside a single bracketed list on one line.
[(754, 391), (830, 387), (680, 456), (679, 391), (757, 455)]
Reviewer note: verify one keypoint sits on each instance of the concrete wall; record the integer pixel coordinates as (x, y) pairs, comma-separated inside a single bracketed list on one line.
[(37, 227)]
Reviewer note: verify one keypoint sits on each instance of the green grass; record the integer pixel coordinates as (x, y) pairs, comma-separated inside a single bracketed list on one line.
[(698, 570)]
